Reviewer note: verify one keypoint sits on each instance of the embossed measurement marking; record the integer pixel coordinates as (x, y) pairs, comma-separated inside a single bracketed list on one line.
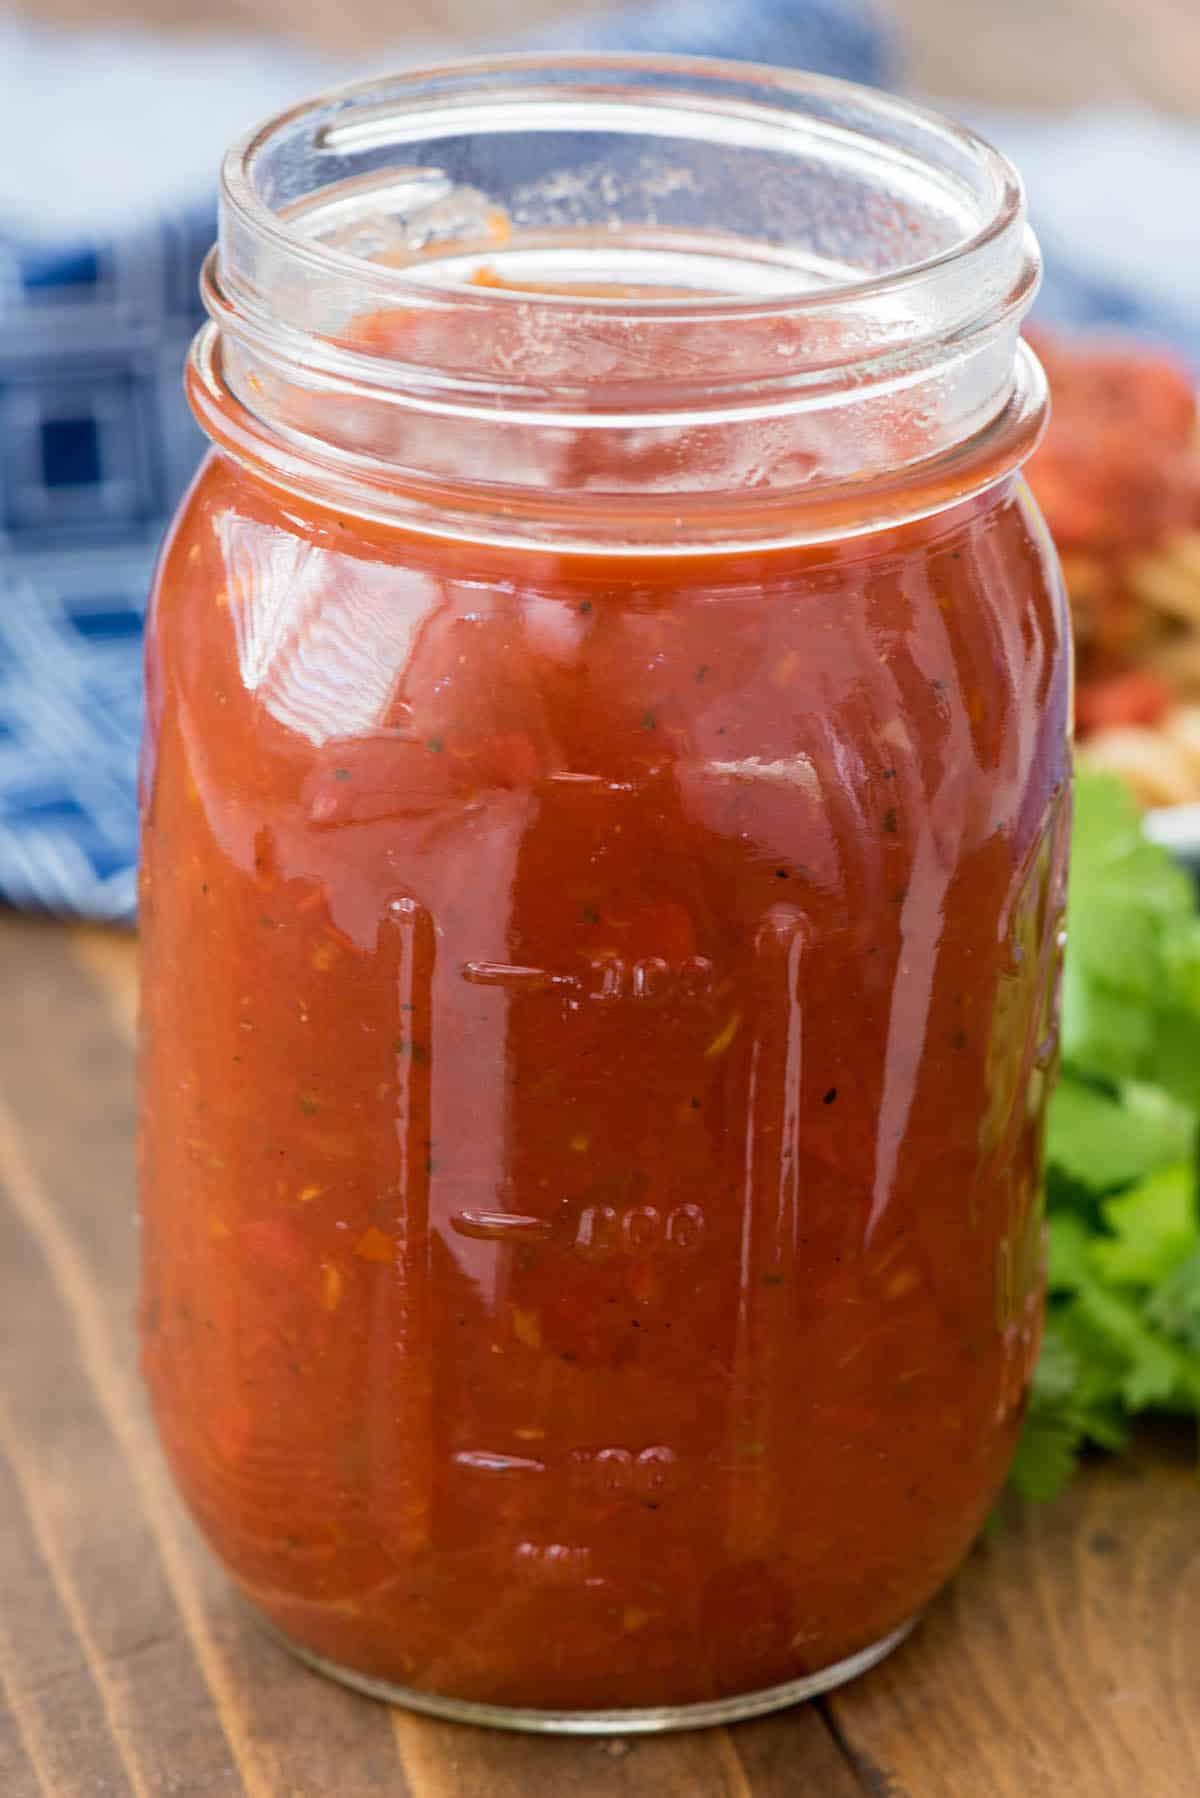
[(601, 1230), (484, 1461), (515, 978), (499, 1226), (605, 978), (553, 1563), (637, 1230), (647, 1474), (594, 782), (620, 1473)]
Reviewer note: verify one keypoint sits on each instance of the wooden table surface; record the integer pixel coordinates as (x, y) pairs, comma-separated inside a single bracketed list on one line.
[(1063, 1663), (1039, 53)]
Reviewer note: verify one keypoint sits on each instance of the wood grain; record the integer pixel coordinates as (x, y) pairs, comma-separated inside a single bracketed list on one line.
[(219, 1700), (446, 1760), (420, 29), (172, 1687), (110, 957), (1031, 53), (1063, 1663), (1055, 54), (1064, 1654)]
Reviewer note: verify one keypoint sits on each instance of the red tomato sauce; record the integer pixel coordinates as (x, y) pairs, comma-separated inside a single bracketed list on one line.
[(598, 1016), (1117, 476)]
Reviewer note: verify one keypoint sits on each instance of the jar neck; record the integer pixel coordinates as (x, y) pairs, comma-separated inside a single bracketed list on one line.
[(643, 303)]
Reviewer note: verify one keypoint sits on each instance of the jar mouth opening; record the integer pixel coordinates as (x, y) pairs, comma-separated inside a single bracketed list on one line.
[(746, 105), (647, 287)]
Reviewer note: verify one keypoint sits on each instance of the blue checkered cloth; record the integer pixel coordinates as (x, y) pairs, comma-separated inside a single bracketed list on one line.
[(96, 445), (100, 248), (96, 442)]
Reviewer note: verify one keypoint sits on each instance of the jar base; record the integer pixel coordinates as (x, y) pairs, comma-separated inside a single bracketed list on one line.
[(640, 1721)]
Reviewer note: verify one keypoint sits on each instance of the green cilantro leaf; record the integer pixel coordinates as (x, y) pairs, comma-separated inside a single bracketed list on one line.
[(1153, 1228), (1107, 1139), (1047, 1454), (1123, 1329), (1174, 1306), (1054, 1431)]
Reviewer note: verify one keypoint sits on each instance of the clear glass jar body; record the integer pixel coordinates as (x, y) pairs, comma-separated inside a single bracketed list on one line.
[(599, 1008)]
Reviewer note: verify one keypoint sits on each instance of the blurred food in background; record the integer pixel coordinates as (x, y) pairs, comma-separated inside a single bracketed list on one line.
[(1118, 478)]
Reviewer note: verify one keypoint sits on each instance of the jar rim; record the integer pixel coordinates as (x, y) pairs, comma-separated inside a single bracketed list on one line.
[(240, 195), (878, 255)]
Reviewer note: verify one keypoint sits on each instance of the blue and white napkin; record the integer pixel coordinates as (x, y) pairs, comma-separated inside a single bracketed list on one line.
[(108, 148)]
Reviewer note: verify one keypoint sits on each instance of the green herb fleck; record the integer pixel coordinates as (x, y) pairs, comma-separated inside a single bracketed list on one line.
[(434, 745), (590, 915), (649, 721), (702, 672), (308, 1106), (891, 822)]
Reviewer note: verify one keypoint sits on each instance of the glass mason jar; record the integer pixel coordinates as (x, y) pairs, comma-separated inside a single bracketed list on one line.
[(606, 797)]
